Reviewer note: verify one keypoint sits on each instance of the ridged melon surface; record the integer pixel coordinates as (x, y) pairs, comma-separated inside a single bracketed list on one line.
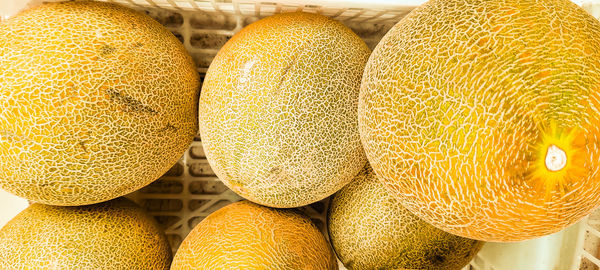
[(245, 235), (483, 117), (112, 235), (370, 229), (278, 109), (96, 100)]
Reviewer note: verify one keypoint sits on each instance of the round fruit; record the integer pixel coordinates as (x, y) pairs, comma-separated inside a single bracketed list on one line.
[(278, 109), (245, 235), (97, 101), (483, 117), (113, 235), (369, 229)]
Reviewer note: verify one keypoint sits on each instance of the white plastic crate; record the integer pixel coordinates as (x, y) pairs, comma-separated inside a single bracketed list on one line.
[(190, 191)]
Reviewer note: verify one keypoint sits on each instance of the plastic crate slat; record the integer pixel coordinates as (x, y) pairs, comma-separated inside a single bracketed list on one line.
[(593, 231), (591, 258)]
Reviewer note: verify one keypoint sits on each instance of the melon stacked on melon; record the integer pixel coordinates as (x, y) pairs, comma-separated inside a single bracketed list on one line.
[(96, 101), (278, 121), (482, 117)]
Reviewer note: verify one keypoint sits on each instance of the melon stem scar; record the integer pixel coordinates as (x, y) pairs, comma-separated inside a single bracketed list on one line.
[(556, 158)]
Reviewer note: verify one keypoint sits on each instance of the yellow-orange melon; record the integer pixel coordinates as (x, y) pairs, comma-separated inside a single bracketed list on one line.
[(96, 100), (112, 235), (278, 109), (245, 235), (483, 117), (370, 229)]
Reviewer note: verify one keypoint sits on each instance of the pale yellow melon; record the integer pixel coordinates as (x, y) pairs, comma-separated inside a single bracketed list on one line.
[(370, 229), (278, 109), (483, 117), (96, 100), (245, 235), (112, 235)]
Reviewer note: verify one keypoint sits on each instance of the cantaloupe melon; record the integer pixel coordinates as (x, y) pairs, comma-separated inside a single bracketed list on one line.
[(245, 235), (278, 109), (112, 235), (96, 100), (483, 117), (370, 229)]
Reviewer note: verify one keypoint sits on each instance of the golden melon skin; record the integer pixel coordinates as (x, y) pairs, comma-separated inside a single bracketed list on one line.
[(278, 109), (482, 117), (244, 235), (112, 235), (96, 100), (370, 229)]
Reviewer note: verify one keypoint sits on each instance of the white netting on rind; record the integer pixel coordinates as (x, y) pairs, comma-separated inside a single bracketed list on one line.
[(190, 191)]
